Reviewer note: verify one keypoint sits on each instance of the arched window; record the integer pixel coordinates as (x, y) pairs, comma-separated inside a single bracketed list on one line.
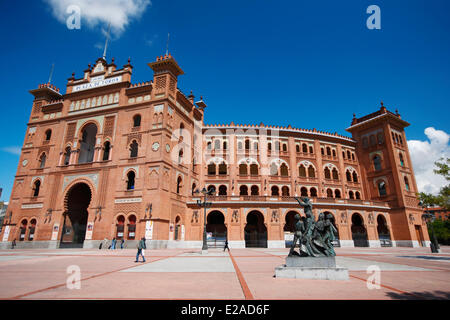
[(106, 149), (304, 192), (194, 186), (327, 173), (284, 147), (304, 148), (180, 155), (67, 153), (254, 190), (406, 183), (322, 151), (351, 195), (222, 190), (222, 168), (211, 169), (376, 162), (337, 193), (208, 145), (329, 193), (349, 176), (343, 154), (335, 174), (48, 134), (242, 169), (243, 190), (311, 172), (402, 162), (328, 151), (36, 188), (42, 160), (275, 191), (348, 154), (134, 149), (216, 144), (284, 170), (285, 191), (313, 192), (334, 153), (247, 144), (254, 169), (269, 146), (224, 145), (381, 188), (130, 180), (211, 189), (137, 121), (179, 184), (355, 176), (400, 140), (353, 156), (297, 148), (311, 150), (357, 195), (302, 171)]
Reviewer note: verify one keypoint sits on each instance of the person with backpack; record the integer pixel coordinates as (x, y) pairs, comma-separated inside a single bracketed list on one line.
[(141, 247)]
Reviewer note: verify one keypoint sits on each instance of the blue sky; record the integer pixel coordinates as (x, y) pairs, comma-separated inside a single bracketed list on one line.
[(310, 64)]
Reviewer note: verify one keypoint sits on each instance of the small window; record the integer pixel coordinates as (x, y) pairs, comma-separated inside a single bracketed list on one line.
[(67, 153), (48, 134), (106, 149), (329, 193), (311, 172), (211, 169), (304, 192), (254, 169), (284, 170), (355, 177), (304, 148), (311, 150), (222, 168), (134, 149), (243, 191), (382, 188), (254, 190), (130, 180), (376, 162), (42, 160), (275, 191), (313, 192), (327, 173), (335, 174), (242, 169), (36, 188), (302, 171), (284, 147), (137, 121), (357, 195)]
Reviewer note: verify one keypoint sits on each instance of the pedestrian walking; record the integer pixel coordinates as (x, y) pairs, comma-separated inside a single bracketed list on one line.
[(141, 247), (13, 244), (113, 244), (226, 246)]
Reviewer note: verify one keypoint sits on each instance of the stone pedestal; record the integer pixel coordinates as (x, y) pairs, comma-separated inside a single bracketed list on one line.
[(321, 268)]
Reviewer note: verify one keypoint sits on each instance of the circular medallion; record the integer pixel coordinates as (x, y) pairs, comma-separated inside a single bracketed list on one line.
[(155, 146), (167, 148), (24, 162)]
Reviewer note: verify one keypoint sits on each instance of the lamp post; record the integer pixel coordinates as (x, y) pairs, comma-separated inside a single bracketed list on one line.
[(429, 217), (205, 205)]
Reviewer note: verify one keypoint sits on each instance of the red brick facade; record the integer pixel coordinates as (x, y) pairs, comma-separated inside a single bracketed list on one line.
[(114, 159)]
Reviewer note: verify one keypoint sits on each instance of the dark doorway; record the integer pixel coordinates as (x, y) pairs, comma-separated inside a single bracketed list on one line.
[(289, 228), (383, 232), (359, 233), (216, 230), (255, 231), (75, 218)]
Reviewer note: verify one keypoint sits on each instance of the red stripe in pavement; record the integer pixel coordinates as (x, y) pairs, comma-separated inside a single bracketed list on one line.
[(387, 287), (247, 293)]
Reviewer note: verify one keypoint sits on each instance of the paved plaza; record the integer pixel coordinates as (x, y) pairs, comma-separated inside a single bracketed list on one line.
[(406, 273)]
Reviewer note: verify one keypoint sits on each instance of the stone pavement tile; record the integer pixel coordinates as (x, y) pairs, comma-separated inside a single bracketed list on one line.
[(187, 264), (15, 257), (258, 265), (152, 286), (421, 263), (24, 276), (249, 252), (423, 283), (356, 264), (264, 286)]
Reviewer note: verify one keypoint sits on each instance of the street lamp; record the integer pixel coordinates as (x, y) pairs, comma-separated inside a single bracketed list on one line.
[(205, 205), (429, 217)]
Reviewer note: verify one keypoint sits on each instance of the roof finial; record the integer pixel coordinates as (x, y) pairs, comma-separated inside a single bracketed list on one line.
[(382, 103)]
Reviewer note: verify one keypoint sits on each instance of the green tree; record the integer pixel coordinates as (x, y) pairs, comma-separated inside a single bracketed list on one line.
[(442, 199)]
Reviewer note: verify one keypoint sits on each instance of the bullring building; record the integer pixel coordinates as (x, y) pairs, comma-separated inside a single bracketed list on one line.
[(111, 158)]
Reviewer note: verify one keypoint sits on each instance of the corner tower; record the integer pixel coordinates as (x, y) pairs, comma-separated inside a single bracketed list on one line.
[(387, 172)]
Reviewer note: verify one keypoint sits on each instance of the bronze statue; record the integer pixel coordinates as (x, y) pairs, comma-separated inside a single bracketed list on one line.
[(314, 237)]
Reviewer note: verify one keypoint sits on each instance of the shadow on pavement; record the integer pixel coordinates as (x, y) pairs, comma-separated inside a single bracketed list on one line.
[(426, 295)]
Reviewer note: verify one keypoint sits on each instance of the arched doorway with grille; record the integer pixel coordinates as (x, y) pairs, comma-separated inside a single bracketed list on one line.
[(78, 199), (383, 232), (255, 231), (216, 230), (289, 228), (359, 232)]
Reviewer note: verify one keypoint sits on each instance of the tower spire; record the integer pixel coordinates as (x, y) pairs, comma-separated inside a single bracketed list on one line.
[(106, 42)]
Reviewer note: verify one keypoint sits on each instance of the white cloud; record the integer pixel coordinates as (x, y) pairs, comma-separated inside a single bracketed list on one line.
[(12, 150), (94, 12), (423, 156)]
